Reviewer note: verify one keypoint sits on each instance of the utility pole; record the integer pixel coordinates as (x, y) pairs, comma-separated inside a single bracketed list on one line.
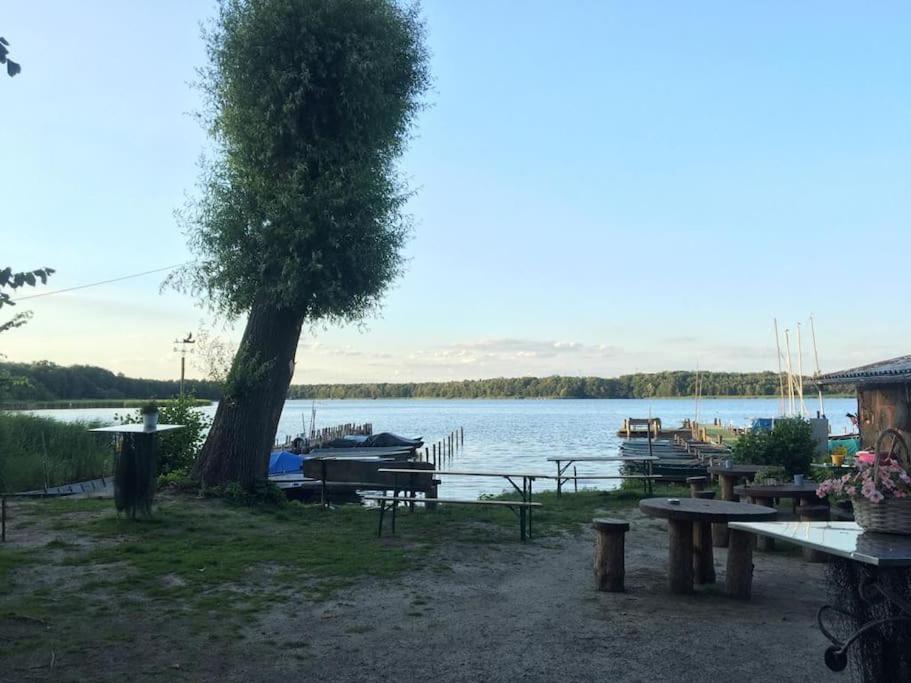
[(182, 346)]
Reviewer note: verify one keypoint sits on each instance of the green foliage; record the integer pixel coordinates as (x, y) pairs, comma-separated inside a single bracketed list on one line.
[(264, 493), (46, 381), (179, 448), (73, 454), (150, 408), (12, 68), (310, 103), (789, 445)]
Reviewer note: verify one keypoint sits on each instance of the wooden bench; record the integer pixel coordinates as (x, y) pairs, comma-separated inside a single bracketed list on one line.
[(610, 550), (370, 474), (520, 508)]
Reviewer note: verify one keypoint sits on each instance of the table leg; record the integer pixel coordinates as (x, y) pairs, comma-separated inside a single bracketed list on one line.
[(703, 556), (727, 486), (739, 580), (559, 481), (680, 555)]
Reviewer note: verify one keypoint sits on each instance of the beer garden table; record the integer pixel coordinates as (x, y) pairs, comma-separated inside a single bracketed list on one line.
[(136, 465), (690, 555), (869, 581)]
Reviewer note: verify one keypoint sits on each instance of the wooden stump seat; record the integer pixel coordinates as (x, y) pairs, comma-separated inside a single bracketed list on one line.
[(697, 484), (610, 550)]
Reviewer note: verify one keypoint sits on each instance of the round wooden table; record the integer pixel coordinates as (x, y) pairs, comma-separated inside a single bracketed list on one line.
[(755, 494), (690, 555)]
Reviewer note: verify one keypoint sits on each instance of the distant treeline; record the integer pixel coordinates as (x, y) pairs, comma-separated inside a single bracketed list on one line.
[(641, 385), (44, 381)]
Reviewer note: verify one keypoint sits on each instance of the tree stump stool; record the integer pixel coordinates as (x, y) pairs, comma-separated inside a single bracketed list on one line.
[(814, 513), (697, 484), (763, 543), (610, 550), (705, 495)]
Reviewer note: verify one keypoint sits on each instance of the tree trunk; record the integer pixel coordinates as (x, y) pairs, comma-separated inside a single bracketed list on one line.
[(243, 432)]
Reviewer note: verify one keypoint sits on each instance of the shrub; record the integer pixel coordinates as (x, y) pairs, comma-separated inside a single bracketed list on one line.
[(789, 445), (178, 448)]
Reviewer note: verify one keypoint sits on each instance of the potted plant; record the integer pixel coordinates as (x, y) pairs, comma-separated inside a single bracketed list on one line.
[(879, 491), (149, 413)]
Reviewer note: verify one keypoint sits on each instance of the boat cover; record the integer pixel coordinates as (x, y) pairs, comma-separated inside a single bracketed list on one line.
[(381, 440), (285, 462)]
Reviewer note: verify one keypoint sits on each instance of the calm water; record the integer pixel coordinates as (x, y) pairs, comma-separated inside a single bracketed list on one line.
[(513, 435)]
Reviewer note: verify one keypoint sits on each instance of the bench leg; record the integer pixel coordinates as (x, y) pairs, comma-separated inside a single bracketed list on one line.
[(522, 523), (379, 531), (680, 556), (395, 506), (739, 580)]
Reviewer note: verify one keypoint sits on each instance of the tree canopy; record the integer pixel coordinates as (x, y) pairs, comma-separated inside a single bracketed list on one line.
[(310, 104)]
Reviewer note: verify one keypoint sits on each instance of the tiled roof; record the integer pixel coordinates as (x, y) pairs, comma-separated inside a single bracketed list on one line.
[(893, 370)]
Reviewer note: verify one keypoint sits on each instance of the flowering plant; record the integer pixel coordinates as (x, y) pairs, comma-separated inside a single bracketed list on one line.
[(890, 480)]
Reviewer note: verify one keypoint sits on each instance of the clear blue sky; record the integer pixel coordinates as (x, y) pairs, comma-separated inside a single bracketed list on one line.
[(603, 187)]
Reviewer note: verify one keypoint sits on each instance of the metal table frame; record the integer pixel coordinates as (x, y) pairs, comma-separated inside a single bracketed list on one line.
[(563, 477)]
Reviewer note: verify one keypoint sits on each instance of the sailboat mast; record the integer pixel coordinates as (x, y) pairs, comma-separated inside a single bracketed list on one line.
[(787, 343), (780, 379), (803, 406), (822, 405)]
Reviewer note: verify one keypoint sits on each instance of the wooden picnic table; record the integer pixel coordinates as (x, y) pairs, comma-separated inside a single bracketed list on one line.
[(524, 491), (690, 555), (562, 476)]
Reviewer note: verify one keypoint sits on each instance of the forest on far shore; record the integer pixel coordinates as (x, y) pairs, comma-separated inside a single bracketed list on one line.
[(45, 381)]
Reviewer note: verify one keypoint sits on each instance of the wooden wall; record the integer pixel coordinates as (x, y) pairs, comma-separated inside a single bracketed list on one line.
[(883, 406)]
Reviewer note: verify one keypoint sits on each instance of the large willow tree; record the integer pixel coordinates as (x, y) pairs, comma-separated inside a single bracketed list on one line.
[(300, 219)]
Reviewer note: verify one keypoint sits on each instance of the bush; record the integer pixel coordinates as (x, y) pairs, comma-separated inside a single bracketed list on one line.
[(178, 448), (789, 445), (264, 493)]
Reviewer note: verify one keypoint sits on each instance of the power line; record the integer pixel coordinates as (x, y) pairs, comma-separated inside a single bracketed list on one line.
[(102, 282)]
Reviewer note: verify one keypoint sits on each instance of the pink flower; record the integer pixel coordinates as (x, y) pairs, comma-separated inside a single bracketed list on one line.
[(875, 496)]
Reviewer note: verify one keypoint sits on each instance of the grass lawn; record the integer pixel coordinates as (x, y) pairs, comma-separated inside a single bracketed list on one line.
[(76, 576)]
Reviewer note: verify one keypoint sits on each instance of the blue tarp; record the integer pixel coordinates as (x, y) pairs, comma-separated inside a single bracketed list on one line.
[(284, 462)]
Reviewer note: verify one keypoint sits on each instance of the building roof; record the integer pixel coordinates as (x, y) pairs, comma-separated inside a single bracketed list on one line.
[(892, 370)]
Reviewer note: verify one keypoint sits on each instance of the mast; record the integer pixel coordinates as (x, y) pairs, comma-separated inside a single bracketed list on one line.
[(780, 378), (822, 405), (787, 343), (803, 406)]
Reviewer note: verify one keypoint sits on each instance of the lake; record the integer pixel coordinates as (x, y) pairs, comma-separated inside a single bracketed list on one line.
[(513, 435)]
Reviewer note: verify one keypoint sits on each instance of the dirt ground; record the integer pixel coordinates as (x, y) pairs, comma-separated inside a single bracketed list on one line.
[(533, 615), (486, 612)]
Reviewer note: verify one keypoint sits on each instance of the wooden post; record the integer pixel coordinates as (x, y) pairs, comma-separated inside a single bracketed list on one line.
[(720, 530), (703, 558), (3, 519), (697, 484), (739, 579), (680, 557), (609, 564), (814, 513), (462, 432), (431, 493)]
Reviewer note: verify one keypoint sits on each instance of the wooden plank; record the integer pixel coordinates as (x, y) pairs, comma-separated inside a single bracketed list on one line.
[(456, 501)]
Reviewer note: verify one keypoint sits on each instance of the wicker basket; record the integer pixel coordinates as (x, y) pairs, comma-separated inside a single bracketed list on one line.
[(890, 515)]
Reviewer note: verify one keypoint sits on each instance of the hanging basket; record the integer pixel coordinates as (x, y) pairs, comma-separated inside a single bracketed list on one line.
[(890, 515)]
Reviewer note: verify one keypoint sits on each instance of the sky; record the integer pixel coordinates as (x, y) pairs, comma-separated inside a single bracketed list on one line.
[(601, 188)]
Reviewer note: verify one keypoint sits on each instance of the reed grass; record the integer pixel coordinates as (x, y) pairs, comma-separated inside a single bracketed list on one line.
[(39, 451)]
